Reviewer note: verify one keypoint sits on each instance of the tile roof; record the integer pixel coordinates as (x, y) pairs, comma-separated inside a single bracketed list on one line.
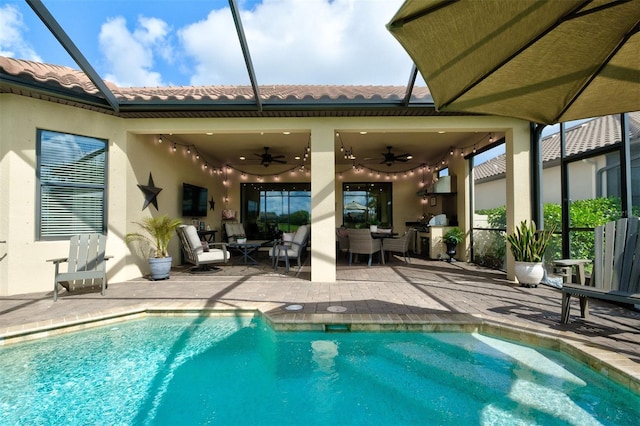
[(595, 133), (63, 78)]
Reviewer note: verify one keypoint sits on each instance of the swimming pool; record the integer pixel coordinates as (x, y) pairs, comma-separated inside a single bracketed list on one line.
[(236, 370)]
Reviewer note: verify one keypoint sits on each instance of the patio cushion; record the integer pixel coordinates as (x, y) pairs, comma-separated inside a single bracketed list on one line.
[(234, 228), (287, 237), (194, 239)]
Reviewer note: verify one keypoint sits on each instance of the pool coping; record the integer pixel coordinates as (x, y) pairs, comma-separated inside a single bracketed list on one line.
[(617, 367)]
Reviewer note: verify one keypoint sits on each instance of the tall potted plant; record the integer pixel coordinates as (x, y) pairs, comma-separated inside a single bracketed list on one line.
[(528, 246), (452, 238), (157, 234)]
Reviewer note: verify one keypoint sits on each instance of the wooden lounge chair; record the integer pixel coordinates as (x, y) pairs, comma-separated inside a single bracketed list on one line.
[(194, 250), (86, 264), (398, 245), (616, 268), (361, 242)]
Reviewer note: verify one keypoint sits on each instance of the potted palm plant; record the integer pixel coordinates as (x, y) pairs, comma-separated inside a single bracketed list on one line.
[(528, 246), (157, 234), (451, 239)]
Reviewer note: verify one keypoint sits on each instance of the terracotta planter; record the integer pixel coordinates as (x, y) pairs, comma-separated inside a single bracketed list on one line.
[(160, 267), (529, 273)]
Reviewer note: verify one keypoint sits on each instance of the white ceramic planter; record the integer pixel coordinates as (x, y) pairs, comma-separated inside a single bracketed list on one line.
[(529, 273)]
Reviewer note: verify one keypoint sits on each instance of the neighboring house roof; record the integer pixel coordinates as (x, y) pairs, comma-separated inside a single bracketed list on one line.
[(54, 82), (596, 133)]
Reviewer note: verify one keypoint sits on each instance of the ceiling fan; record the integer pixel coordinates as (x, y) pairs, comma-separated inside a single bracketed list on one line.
[(266, 159), (390, 157)]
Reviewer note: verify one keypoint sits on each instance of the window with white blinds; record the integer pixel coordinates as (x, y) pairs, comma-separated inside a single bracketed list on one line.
[(72, 184)]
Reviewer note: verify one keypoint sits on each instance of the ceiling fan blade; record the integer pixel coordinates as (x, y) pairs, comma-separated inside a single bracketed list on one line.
[(277, 156), (275, 160)]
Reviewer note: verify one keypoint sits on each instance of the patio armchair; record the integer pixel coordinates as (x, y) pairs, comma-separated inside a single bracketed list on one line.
[(202, 254), (86, 264), (234, 230), (294, 249), (342, 240), (398, 245), (361, 242)]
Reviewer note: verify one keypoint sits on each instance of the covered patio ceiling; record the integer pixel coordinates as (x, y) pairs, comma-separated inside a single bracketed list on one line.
[(367, 146)]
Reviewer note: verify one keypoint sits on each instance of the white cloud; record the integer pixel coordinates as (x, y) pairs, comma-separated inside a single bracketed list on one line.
[(130, 56), (12, 43), (300, 42), (215, 52)]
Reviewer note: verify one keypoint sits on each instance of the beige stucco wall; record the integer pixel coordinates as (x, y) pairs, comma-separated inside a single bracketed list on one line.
[(24, 268), (582, 185), (134, 153)]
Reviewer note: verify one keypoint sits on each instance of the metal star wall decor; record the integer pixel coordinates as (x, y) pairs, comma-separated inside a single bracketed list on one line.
[(150, 192), (212, 204)]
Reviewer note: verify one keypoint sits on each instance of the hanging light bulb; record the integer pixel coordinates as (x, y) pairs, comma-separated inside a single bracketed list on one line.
[(188, 150), (490, 137), (160, 139), (451, 151)]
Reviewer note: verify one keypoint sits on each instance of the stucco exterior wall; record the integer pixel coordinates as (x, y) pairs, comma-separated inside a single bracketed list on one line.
[(134, 153), (487, 195), (582, 185), (24, 268)]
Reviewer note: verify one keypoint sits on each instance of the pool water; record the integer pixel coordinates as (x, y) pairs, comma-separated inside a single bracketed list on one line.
[(237, 371)]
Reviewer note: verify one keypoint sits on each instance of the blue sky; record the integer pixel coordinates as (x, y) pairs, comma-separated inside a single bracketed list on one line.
[(193, 42)]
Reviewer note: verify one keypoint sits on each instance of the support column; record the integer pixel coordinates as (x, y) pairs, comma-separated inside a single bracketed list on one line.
[(323, 202), (519, 185)]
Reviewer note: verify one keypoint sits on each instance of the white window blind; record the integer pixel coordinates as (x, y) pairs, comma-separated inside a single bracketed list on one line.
[(72, 177)]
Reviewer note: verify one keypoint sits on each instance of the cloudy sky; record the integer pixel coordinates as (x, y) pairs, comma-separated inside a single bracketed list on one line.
[(194, 42)]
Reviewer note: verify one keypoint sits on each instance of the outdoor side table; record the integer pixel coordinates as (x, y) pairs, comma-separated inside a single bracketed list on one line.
[(209, 236), (564, 267), (247, 248)]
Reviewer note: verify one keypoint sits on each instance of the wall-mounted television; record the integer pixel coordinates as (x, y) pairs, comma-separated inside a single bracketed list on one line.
[(194, 200)]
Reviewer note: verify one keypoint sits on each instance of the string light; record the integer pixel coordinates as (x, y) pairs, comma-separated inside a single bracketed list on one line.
[(348, 154)]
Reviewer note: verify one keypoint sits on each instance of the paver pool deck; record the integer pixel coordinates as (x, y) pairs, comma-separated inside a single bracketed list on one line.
[(420, 295)]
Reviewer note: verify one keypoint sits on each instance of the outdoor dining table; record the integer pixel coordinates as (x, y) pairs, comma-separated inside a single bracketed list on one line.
[(382, 235), (247, 248)]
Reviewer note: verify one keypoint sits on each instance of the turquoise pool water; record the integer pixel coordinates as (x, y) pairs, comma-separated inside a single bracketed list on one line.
[(237, 371)]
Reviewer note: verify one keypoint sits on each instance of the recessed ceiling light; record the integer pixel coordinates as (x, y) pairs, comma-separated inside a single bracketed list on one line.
[(209, 133), (243, 157), (363, 133), (297, 157), (441, 131), (286, 133)]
